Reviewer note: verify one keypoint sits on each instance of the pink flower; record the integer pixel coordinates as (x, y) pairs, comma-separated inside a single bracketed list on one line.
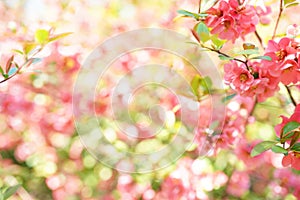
[(238, 76), (279, 51), (290, 72), (262, 14), (239, 183), (292, 159), (295, 117), (230, 20), (293, 31)]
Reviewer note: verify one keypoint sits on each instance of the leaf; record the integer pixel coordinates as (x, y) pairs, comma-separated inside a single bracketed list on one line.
[(1, 71), (195, 83), (292, 4), (217, 41), (202, 31), (36, 60), (263, 58), (59, 36), (18, 51), (9, 63), (207, 82), (12, 71), (279, 149), (248, 46), (222, 57), (191, 14), (248, 52), (28, 47), (41, 36), (290, 126), (262, 147), (228, 97), (287, 2), (207, 4), (10, 191), (296, 147)]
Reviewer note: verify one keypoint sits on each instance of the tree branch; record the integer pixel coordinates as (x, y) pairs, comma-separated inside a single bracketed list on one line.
[(199, 9), (291, 96), (259, 39), (278, 18)]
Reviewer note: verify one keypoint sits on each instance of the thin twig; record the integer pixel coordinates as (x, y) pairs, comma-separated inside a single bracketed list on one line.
[(278, 18), (259, 39), (25, 64), (199, 10), (291, 96), (224, 54)]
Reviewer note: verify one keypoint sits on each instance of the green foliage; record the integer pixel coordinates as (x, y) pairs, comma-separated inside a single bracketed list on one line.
[(263, 58), (290, 126), (289, 3), (228, 97), (296, 147), (41, 36), (279, 149), (7, 192), (262, 147), (248, 52), (186, 13), (203, 31), (201, 85), (222, 57)]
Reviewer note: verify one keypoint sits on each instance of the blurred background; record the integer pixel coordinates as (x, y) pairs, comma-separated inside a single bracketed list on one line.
[(39, 146)]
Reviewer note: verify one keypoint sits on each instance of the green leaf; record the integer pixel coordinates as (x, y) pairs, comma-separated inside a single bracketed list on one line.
[(202, 31), (290, 126), (291, 4), (287, 2), (248, 52), (191, 14), (222, 57), (296, 147), (228, 98), (10, 191), (1, 71), (206, 84), (18, 51), (217, 42), (279, 149), (59, 36), (41, 36), (28, 47), (263, 58), (195, 83), (12, 71), (262, 147), (9, 63)]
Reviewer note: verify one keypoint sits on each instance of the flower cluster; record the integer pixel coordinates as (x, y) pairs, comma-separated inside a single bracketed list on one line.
[(293, 157), (230, 20)]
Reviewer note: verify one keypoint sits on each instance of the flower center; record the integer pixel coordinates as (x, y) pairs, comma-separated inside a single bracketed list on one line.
[(281, 54), (243, 77)]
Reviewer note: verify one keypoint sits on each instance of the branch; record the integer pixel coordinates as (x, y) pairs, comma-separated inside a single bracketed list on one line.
[(221, 53), (278, 18), (259, 39), (199, 10), (25, 64), (291, 96)]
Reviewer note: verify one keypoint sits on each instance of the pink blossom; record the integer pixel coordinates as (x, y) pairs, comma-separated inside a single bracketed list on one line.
[(239, 183), (238, 76), (230, 20)]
